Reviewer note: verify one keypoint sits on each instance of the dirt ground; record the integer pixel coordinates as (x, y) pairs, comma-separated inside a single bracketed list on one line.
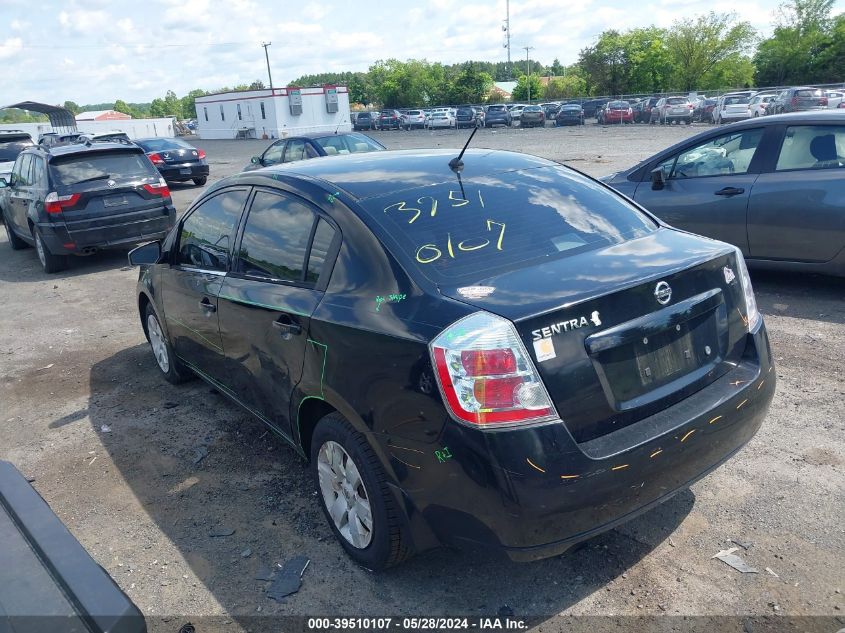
[(143, 473)]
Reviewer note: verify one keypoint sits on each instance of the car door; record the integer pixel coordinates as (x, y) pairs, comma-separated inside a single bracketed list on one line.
[(268, 297), (797, 206), (20, 193), (190, 285), (707, 186)]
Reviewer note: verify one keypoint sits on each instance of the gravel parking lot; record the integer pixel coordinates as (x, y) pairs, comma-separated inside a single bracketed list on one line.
[(144, 473)]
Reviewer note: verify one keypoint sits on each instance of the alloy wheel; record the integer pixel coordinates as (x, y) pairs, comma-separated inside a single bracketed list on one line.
[(158, 343), (344, 494)]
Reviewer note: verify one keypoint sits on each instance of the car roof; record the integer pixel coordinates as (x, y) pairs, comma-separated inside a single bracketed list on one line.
[(82, 148), (370, 174)]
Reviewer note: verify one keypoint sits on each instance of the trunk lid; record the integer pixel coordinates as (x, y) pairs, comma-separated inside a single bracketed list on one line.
[(608, 350), (179, 156)]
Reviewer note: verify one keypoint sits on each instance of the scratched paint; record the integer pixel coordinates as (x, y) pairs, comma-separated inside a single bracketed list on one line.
[(533, 465)]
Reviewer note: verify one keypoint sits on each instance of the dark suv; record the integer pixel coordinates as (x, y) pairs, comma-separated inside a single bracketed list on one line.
[(497, 114), (390, 119), (454, 375), (466, 117), (798, 100), (76, 199), (365, 121)]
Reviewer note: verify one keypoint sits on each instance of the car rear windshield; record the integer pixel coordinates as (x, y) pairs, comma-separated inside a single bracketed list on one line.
[(618, 105), (570, 106), (461, 231), (466, 111), (9, 149), (163, 144), (675, 100), (497, 108), (736, 100), (91, 166), (532, 109), (808, 93)]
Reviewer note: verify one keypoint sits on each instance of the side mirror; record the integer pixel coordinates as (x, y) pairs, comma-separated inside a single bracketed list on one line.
[(255, 160), (657, 180), (146, 254), (3, 183)]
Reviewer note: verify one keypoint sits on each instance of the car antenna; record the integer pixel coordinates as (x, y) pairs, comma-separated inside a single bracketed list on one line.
[(456, 164)]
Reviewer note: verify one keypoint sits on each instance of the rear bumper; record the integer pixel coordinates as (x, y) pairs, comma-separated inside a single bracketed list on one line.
[(534, 493), (180, 173), (106, 233)]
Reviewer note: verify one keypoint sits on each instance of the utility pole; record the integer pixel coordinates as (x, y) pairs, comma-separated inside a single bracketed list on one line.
[(507, 29), (528, 61), (267, 57)]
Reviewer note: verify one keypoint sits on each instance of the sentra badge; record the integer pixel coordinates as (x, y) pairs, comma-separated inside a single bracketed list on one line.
[(566, 326)]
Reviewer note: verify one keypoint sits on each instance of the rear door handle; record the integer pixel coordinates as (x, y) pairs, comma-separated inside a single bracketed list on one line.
[(730, 191), (206, 305), (287, 328)]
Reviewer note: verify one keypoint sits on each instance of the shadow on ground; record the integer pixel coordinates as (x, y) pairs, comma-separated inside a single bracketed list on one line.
[(800, 295), (252, 483)]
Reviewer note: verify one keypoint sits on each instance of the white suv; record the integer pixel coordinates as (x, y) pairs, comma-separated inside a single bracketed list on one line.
[(413, 118)]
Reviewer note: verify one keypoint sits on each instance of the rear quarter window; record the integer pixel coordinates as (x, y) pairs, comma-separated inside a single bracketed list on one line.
[(76, 168), (503, 221)]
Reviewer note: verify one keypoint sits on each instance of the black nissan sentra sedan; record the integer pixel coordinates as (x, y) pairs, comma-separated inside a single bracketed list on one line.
[(176, 160), (507, 356)]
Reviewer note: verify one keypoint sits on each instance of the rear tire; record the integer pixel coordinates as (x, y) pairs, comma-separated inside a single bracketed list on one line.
[(380, 545), (49, 262), (171, 367), (15, 242), (199, 182)]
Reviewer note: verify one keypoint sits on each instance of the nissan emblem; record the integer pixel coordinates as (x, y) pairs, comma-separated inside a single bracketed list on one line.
[(663, 293)]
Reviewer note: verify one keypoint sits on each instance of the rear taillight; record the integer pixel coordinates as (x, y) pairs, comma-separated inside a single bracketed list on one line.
[(752, 314), (156, 159), (201, 154), (823, 101), (486, 376), (54, 203), (794, 101), (158, 189)]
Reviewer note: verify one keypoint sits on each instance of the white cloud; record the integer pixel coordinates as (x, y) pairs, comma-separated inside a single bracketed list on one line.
[(11, 47)]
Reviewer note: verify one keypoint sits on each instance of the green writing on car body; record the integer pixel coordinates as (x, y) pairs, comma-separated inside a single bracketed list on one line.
[(392, 298), (443, 455)]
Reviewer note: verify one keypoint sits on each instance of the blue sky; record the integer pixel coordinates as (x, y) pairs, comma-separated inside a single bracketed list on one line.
[(92, 51)]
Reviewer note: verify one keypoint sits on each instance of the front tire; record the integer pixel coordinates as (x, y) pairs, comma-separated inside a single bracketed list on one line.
[(15, 242), (171, 367), (49, 262), (356, 499)]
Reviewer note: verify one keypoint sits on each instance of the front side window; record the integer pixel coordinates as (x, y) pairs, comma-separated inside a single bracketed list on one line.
[(222, 113), (38, 175), (207, 233), (812, 147), (275, 238), (724, 155), (295, 151), (205, 112), (263, 114), (273, 155), (239, 112), (23, 171)]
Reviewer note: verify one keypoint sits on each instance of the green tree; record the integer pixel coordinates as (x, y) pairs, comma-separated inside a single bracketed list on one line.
[(71, 106), (556, 69), (172, 105), (648, 64), (158, 109), (698, 45), (572, 85), (799, 50), (470, 85), (521, 92), (121, 106), (189, 105), (604, 64)]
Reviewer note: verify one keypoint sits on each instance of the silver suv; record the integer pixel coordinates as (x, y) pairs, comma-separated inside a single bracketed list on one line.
[(672, 109)]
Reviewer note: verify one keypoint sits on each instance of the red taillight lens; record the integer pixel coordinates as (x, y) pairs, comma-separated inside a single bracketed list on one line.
[(201, 154), (490, 362), (158, 189), (54, 203), (794, 101), (823, 101), (156, 159), (486, 375)]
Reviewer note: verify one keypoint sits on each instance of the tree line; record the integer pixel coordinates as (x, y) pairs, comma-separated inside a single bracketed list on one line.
[(709, 52)]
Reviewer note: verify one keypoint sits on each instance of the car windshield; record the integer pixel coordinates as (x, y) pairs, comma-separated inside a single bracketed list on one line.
[(348, 144), (9, 149), (76, 168), (464, 230), (163, 144)]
